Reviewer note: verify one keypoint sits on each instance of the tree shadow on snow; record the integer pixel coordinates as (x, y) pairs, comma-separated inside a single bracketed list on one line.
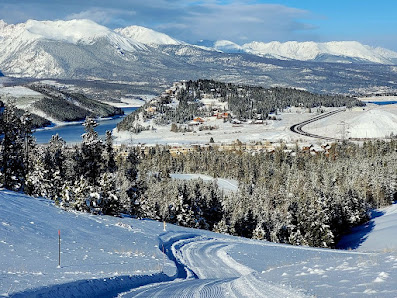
[(359, 235)]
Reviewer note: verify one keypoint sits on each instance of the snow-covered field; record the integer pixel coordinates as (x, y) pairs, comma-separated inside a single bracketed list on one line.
[(373, 121), (272, 130), (23, 97), (107, 256), (227, 185), (135, 101), (376, 234)]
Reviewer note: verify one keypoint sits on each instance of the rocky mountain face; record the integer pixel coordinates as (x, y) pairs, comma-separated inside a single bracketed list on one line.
[(84, 50)]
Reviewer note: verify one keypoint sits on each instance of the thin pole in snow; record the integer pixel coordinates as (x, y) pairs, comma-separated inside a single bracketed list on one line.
[(59, 250), (163, 258)]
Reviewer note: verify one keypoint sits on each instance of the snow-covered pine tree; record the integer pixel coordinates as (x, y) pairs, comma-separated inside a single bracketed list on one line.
[(136, 185), (13, 168), (29, 141), (110, 163), (79, 195), (91, 152), (110, 203), (57, 158)]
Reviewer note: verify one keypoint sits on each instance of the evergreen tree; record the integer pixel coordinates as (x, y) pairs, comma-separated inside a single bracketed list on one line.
[(110, 165), (91, 152), (13, 155)]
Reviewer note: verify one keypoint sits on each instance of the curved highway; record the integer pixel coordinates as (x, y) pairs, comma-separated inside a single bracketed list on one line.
[(297, 128)]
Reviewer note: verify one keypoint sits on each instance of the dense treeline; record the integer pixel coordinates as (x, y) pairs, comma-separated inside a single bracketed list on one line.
[(60, 109), (244, 102), (287, 196), (294, 197)]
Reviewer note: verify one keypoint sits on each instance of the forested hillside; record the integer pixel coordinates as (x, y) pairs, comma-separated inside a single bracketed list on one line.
[(67, 106), (185, 101), (287, 196)]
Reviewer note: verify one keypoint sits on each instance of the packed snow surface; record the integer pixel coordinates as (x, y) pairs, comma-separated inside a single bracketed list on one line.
[(106, 256)]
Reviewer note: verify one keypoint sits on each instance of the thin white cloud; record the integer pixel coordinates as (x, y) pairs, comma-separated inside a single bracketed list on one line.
[(240, 22), (186, 20), (103, 16)]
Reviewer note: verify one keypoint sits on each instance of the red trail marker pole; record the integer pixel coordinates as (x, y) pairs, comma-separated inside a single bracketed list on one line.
[(59, 250)]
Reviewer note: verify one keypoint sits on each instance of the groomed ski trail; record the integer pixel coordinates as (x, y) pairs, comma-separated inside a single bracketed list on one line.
[(204, 269)]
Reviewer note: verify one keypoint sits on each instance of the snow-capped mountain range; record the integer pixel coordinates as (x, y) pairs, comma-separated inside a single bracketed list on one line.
[(334, 51), (83, 49)]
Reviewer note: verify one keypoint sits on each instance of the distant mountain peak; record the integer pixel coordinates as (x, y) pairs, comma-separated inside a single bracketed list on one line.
[(73, 31), (147, 36), (77, 31), (227, 46), (313, 51)]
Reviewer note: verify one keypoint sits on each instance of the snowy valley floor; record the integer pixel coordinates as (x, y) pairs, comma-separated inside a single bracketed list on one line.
[(109, 256), (372, 121)]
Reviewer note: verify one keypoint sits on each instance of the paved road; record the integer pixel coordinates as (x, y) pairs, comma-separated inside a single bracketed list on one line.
[(297, 128)]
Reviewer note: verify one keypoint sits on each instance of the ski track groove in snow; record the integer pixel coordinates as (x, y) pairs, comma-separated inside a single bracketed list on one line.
[(209, 272)]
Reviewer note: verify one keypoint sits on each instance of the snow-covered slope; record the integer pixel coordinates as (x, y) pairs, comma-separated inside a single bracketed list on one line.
[(74, 31), (371, 122), (147, 36), (335, 51), (228, 46), (106, 256), (376, 123), (34, 48), (375, 235)]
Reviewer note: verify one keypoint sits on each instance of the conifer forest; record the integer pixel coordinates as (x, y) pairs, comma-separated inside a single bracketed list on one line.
[(285, 196)]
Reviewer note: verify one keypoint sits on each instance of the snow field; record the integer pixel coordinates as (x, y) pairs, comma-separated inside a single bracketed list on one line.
[(274, 131), (227, 185), (372, 121), (92, 246), (18, 91), (106, 256), (375, 235)]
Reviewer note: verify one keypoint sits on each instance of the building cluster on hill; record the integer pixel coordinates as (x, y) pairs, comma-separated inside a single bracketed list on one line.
[(191, 102)]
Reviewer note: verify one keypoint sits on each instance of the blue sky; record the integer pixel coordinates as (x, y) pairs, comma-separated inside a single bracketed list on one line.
[(370, 22)]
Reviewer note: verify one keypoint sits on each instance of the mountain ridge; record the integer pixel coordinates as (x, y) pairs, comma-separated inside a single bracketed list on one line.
[(84, 50), (147, 36)]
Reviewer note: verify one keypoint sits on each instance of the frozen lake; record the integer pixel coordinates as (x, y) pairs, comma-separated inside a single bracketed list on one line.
[(71, 133)]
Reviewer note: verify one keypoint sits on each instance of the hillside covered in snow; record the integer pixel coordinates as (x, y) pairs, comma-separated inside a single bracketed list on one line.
[(106, 256), (373, 121), (147, 36)]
